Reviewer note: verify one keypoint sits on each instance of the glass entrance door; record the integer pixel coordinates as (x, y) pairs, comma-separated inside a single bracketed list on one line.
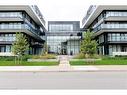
[(64, 48), (64, 51)]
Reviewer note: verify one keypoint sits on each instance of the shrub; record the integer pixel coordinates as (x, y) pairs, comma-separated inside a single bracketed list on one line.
[(25, 57), (45, 56), (82, 56), (95, 56), (7, 58), (35, 57), (79, 56), (114, 58), (12, 58)]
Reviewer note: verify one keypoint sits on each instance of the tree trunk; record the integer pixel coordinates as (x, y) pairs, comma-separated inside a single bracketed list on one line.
[(87, 55), (15, 59), (18, 60), (21, 60)]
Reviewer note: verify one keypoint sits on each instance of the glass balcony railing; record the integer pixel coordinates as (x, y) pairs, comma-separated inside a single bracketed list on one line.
[(110, 26), (17, 15), (113, 14), (74, 37), (118, 14), (7, 39), (10, 14), (19, 26)]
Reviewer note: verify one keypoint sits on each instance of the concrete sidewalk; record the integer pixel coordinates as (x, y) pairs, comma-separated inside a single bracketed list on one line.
[(112, 67), (64, 68)]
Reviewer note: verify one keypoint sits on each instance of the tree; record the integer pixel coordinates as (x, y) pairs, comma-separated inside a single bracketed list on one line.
[(20, 46), (45, 48), (88, 45)]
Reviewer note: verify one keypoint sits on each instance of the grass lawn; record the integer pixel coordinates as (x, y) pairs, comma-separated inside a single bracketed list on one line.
[(101, 62), (25, 63)]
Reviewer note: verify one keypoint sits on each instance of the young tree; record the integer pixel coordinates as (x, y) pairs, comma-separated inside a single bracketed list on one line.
[(45, 48), (88, 45), (20, 46)]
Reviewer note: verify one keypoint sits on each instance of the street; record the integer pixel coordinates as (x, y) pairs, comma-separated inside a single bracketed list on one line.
[(63, 80)]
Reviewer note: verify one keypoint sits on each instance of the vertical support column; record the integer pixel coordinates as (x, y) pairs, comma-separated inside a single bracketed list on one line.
[(106, 48)]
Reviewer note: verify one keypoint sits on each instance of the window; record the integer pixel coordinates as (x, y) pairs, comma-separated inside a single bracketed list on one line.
[(101, 39), (60, 27), (8, 48), (117, 37), (109, 37), (7, 37)]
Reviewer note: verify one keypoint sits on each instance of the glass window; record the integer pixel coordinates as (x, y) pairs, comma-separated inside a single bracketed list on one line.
[(117, 37), (116, 13), (109, 37), (60, 27)]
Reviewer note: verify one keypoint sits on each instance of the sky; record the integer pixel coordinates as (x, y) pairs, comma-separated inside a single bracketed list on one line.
[(63, 10)]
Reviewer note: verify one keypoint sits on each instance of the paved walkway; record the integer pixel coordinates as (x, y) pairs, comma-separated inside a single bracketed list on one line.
[(64, 63), (64, 60)]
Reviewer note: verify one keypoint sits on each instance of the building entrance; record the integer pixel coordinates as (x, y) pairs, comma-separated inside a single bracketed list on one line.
[(64, 52), (64, 48)]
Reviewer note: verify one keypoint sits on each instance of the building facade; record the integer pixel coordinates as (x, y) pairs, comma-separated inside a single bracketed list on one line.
[(25, 19), (109, 24), (63, 37)]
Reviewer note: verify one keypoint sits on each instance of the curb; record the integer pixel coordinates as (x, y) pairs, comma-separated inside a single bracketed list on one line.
[(72, 71)]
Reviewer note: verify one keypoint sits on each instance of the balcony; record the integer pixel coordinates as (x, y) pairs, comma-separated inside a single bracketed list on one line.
[(16, 16), (36, 44), (114, 26), (6, 42), (21, 28), (11, 16), (111, 27), (116, 16), (18, 26), (43, 37), (74, 38)]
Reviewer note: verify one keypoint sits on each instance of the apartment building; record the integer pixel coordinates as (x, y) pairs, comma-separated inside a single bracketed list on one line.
[(109, 24), (25, 19)]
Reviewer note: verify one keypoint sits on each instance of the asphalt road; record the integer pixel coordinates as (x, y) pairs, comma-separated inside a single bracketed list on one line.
[(63, 80)]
